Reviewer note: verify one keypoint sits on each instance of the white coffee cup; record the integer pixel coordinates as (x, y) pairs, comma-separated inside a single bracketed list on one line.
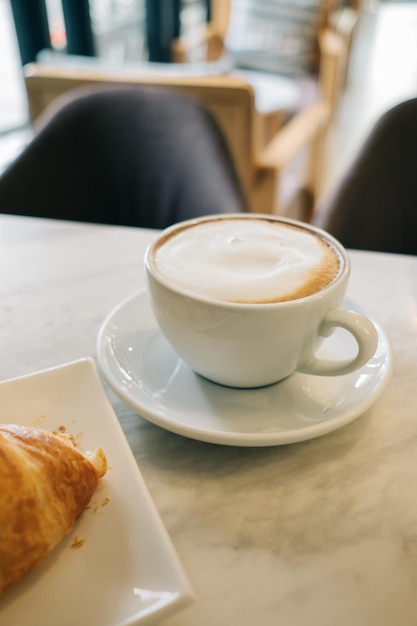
[(246, 299)]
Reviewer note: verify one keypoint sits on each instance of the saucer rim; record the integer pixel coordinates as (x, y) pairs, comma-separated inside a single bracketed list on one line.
[(230, 437)]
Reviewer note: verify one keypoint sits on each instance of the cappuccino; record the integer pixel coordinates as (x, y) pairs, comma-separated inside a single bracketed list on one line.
[(257, 260), (228, 291)]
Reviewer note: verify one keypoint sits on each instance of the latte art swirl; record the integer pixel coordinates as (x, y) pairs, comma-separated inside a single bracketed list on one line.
[(247, 260)]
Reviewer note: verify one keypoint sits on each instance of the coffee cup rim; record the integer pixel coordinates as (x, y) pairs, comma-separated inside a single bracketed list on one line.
[(340, 249)]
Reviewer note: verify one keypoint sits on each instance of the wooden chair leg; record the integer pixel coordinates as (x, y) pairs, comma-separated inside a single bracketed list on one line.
[(300, 206), (314, 181), (265, 191)]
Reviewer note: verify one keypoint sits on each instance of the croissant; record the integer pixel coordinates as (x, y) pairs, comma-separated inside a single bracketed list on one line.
[(45, 485)]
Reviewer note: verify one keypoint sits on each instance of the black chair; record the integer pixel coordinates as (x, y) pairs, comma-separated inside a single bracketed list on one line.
[(141, 156), (375, 207)]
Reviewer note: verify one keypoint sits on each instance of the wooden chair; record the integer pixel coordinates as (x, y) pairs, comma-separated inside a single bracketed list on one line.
[(336, 23), (328, 59), (265, 142), (337, 20), (232, 103)]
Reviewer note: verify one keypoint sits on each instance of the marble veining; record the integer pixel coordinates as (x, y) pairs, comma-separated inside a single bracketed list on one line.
[(319, 533)]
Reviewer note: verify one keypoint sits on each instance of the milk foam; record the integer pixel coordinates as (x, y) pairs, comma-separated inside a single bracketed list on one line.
[(247, 260)]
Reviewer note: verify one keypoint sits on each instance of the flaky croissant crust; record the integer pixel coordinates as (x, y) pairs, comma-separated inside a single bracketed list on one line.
[(45, 485)]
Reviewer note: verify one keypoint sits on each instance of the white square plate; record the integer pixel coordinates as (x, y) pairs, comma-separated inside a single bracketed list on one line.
[(126, 571)]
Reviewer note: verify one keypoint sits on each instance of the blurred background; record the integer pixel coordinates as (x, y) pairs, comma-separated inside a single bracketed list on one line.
[(382, 70)]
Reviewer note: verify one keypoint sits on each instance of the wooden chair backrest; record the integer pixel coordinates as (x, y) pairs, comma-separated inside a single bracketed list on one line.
[(230, 101), (218, 26)]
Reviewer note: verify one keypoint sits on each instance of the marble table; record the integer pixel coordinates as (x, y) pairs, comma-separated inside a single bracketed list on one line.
[(317, 533)]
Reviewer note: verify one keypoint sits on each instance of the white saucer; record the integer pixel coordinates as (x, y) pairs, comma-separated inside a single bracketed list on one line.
[(148, 376)]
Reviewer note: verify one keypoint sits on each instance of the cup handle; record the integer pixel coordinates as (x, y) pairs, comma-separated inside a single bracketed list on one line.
[(364, 333)]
